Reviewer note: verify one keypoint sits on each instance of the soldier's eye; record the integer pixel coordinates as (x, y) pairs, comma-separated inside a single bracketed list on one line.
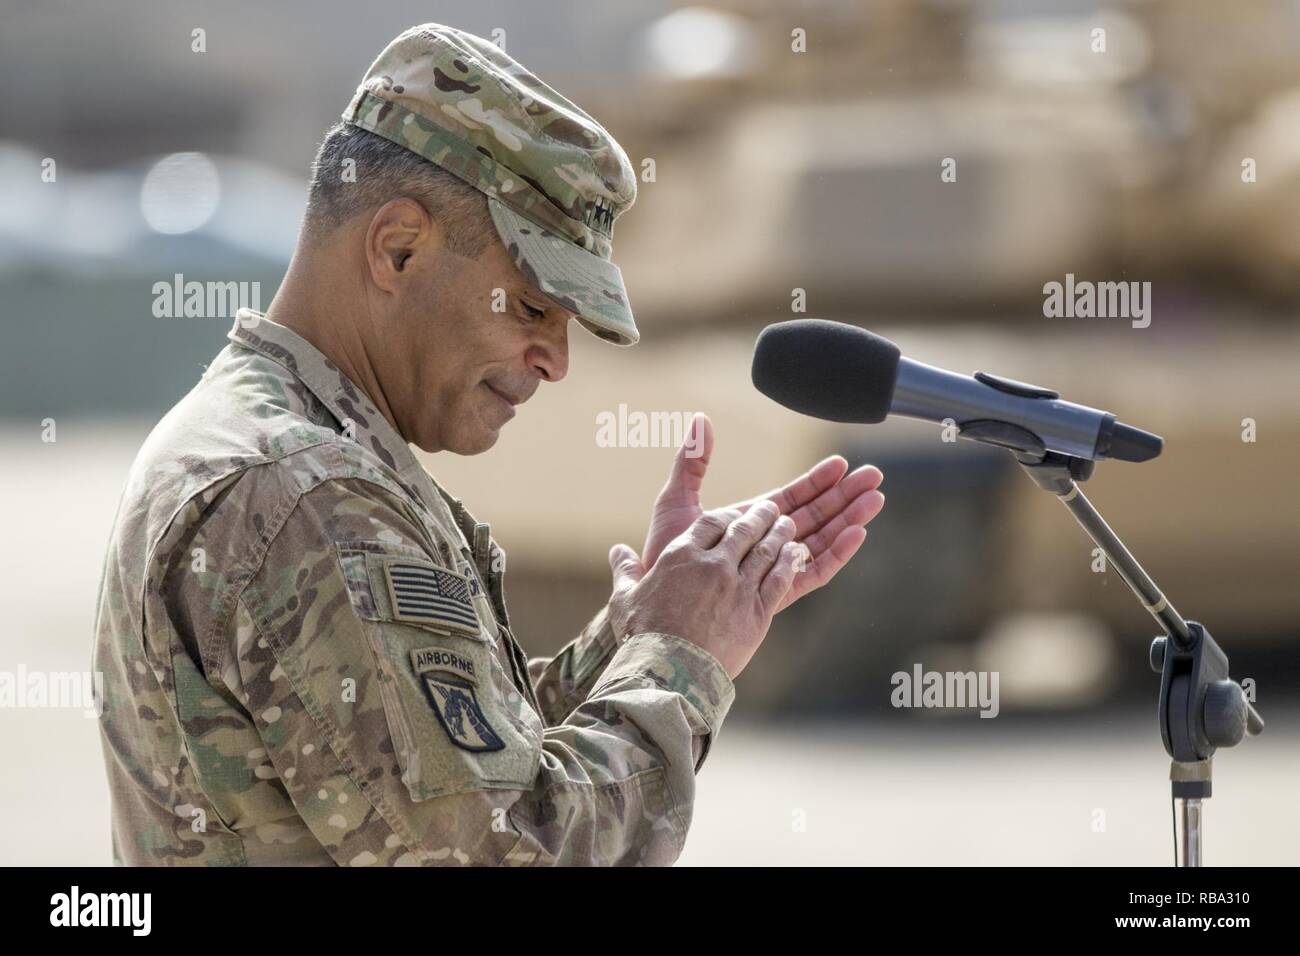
[(532, 311)]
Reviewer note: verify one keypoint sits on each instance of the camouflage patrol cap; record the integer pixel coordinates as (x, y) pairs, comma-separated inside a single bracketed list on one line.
[(554, 178)]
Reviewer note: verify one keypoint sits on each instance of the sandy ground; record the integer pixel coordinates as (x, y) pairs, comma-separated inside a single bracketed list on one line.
[(898, 790), (1017, 794), (825, 794)]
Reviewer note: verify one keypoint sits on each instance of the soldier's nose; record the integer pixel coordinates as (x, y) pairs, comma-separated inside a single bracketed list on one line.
[(550, 360)]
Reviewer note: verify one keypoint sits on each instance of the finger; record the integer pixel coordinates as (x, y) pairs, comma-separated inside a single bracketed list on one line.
[(625, 566), (707, 530), (747, 530), (780, 579), (690, 463), (763, 555), (803, 489), (828, 564), (860, 511), (815, 514)]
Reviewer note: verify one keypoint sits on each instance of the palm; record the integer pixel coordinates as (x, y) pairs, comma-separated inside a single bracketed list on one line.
[(829, 508)]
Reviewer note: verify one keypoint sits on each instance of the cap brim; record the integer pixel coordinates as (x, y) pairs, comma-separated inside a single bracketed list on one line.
[(581, 281)]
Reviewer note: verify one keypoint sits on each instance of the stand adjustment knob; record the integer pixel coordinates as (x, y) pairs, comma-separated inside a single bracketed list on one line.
[(1224, 713), (1157, 654)]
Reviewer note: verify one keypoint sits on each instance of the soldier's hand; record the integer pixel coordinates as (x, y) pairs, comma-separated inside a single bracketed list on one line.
[(717, 584), (829, 505)]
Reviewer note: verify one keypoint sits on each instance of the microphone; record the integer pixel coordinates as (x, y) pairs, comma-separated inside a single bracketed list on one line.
[(842, 373)]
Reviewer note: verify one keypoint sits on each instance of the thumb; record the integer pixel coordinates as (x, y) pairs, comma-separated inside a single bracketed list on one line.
[(625, 565), (691, 461)]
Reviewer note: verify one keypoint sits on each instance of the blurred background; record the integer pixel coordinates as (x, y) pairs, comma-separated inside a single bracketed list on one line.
[(784, 148)]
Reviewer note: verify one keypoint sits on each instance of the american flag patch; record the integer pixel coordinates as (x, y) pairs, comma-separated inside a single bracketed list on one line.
[(430, 595)]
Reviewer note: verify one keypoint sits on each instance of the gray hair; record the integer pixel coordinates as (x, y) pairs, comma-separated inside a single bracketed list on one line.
[(383, 171)]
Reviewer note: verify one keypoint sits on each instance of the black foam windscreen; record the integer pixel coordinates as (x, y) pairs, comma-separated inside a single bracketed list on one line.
[(827, 370)]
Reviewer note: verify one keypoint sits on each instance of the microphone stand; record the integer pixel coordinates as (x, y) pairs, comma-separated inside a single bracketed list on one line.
[(1201, 708)]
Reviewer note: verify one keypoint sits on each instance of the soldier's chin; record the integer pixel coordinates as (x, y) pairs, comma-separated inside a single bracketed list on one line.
[(476, 440)]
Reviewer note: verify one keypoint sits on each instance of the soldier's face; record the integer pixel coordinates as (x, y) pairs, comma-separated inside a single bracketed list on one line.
[(483, 339)]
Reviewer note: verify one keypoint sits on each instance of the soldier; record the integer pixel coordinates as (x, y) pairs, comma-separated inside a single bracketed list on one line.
[(306, 652)]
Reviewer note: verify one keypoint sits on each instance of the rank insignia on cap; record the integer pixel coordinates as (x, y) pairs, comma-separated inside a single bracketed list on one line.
[(456, 704), (425, 594)]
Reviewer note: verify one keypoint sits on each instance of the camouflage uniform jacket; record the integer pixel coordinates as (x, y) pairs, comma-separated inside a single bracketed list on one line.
[(307, 658)]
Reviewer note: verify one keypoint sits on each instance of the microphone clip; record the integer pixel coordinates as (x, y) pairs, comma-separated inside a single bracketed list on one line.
[(1052, 471), (1056, 473)]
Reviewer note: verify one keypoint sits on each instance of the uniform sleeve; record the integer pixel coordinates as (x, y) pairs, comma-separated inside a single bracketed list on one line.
[(563, 682), (400, 737)]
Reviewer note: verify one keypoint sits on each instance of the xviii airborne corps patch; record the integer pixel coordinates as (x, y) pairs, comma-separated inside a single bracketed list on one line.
[(449, 681)]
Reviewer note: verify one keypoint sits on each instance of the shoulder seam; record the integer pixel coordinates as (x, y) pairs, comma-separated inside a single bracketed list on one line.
[(210, 644)]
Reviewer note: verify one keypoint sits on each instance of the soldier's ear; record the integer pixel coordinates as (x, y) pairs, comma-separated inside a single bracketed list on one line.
[(398, 230)]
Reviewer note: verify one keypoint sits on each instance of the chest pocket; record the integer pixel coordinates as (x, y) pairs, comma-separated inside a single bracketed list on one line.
[(457, 722)]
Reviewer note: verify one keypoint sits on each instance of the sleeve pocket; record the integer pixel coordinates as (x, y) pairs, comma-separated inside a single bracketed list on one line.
[(457, 722)]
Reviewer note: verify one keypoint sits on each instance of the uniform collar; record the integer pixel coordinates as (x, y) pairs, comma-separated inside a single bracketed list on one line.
[(338, 393)]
